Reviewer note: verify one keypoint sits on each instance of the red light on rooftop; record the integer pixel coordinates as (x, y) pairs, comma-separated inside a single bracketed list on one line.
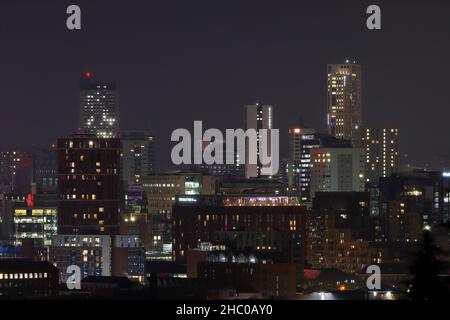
[(87, 74), (30, 200)]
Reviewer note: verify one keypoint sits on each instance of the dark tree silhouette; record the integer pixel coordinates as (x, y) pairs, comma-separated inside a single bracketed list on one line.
[(425, 269)]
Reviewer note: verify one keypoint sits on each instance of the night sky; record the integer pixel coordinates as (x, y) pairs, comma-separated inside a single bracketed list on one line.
[(179, 61)]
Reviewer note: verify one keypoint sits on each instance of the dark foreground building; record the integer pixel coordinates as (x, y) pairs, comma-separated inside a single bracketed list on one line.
[(23, 278), (248, 274), (409, 201)]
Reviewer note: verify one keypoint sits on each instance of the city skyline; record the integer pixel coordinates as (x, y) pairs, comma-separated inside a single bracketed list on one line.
[(224, 151), (177, 66)]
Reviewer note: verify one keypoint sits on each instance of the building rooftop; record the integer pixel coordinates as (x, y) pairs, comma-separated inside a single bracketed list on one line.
[(22, 265), (238, 200)]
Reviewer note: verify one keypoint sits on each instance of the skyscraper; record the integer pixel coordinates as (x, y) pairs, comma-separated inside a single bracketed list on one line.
[(382, 152), (88, 205), (344, 101), (88, 185), (36, 221), (216, 169), (99, 108), (257, 116), (161, 191), (273, 225), (301, 143), (409, 201)]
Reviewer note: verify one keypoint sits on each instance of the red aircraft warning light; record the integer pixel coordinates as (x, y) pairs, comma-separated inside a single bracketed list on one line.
[(88, 74)]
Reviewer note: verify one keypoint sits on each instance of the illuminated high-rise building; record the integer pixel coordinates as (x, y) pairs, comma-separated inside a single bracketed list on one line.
[(257, 117), (99, 108), (411, 200), (344, 101), (88, 208), (382, 152), (301, 143), (296, 138)]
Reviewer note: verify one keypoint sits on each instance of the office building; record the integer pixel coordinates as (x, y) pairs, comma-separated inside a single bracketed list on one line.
[(7, 205), (128, 258), (139, 224), (9, 160), (381, 147), (99, 107), (289, 174), (298, 138), (249, 273), (341, 232), (88, 185), (135, 219), (36, 221), (92, 253), (99, 255), (27, 279), (274, 225), (352, 209), (332, 246), (344, 101), (300, 143), (257, 117), (5, 220), (161, 191), (16, 172), (410, 201), (89, 195), (337, 170)]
